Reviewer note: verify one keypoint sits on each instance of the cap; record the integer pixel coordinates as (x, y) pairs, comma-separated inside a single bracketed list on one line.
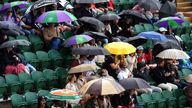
[(140, 48), (162, 29), (69, 6)]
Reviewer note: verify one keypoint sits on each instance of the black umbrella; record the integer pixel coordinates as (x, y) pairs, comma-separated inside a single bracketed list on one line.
[(167, 9), (8, 25), (122, 38), (95, 23), (15, 43), (90, 50), (150, 4), (134, 15), (99, 35), (108, 17), (134, 83), (90, 1), (136, 40), (160, 46)]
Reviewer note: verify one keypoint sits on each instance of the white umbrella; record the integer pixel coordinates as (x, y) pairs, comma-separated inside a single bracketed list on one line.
[(173, 54), (83, 68)]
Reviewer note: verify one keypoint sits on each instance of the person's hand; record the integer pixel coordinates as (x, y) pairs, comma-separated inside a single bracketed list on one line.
[(167, 74)]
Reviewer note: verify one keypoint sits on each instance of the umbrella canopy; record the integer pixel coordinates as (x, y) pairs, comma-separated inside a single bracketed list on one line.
[(93, 22), (150, 4), (134, 83), (167, 9), (169, 21), (14, 43), (173, 54), (56, 16), (102, 86), (133, 14), (120, 48), (153, 35), (90, 1), (83, 68), (20, 4), (8, 25), (78, 39), (136, 40), (63, 94), (42, 3), (108, 17), (90, 50), (99, 35)]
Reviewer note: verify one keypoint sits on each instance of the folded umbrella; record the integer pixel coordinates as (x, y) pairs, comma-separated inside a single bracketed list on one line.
[(78, 39), (83, 68), (108, 17), (90, 1), (173, 54), (102, 86), (134, 83), (14, 43), (90, 50)]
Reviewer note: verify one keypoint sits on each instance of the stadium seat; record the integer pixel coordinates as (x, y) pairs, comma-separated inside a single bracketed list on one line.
[(39, 80), (18, 101), (140, 101), (56, 58), (24, 48), (31, 99), (62, 75), (51, 77), (44, 59), (171, 100), (13, 83), (148, 100), (181, 98), (3, 87), (160, 101), (26, 82), (148, 27), (37, 43), (31, 58)]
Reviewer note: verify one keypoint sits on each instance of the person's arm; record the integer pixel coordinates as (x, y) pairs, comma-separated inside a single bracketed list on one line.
[(115, 65)]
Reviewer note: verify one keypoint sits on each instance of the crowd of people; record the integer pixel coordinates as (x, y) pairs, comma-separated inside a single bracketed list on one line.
[(140, 64)]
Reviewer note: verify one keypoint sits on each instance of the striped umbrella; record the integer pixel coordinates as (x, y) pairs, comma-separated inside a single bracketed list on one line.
[(63, 94), (56, 16), (20, 4), (90, 1), (78, 39), (169, 21), (102, 86)]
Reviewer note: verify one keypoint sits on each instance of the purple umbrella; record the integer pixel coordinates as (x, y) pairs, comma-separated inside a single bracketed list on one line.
[(78, 39)]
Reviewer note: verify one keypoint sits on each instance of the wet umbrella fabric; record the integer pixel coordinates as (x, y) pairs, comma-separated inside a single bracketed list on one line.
[(99, 35), (90, 1), (8, 25), (108, 17), (83, 68), (167, 9), (150, 4), (136, 40), (14, 43)]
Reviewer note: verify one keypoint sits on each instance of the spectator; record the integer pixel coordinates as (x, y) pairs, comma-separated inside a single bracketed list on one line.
[(124, 72), (131, 62), (42, 102), (188, 90)]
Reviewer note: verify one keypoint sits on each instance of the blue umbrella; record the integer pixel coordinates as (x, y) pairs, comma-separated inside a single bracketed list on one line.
[(153, 35)]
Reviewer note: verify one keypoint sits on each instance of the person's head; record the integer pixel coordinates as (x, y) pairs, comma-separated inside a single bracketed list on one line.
[(169, 61), (161, 62), (83, 57), (140, 49), (103, 73), (17, 9), (41, 102), (163, 30), (57, 103), (71, 78), (123, 65), (79, 75), (42, 9), (69, 8), (9, 12), (91, 57), (141, 65)]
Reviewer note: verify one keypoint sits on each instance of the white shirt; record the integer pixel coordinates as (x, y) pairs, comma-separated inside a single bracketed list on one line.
[(89, 73), (124, 73)]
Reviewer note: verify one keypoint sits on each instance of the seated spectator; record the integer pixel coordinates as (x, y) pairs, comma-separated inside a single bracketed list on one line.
[(142, 57), (90, 60), (188, 90), (124, 72), (142, 71), (131, 61)]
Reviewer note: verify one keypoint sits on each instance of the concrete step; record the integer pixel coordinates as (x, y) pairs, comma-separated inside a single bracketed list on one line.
[(181, 1), (184, 9), (184, 4), (188, 14)]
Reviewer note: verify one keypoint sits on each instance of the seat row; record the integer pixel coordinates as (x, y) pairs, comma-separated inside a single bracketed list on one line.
[(165, 99), (11, 84)]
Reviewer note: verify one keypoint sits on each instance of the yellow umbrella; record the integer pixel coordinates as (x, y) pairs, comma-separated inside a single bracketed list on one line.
[(120, 48)]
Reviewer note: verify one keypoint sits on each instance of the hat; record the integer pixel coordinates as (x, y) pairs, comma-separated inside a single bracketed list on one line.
[(69, 6), (140, 48), (162, 29)]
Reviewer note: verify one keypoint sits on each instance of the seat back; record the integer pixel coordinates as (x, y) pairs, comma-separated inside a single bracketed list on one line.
[(186, 72), (42, 55), (49, 74), (146, 97), (36, 75), (16, 99), (2, 80), (24, 77), (148, 27), (178, 92), (11, 78), (31, 97), (54, 54), (43, 93), (166, 94), (156, 96)]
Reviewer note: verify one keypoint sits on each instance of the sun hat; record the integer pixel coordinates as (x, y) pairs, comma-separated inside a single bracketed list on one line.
[(162, 29)]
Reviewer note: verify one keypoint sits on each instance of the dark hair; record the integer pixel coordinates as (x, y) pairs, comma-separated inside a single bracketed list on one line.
[(40, 98)]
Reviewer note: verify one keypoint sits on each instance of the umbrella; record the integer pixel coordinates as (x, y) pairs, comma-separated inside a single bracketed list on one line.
[(63, 94), (83, 68), (173, 54), (119, 48), (90, 50), (56, 16), (8, 25), (153, 35), (20, 4), (102, 86), (169, 21), (42, 3), (14, 43), (133, 14), (108, 17), (136, 40), (150, 4), (78, 39), (90, 1), (96, 34), (167, 9), (134, 83), (95, 23)]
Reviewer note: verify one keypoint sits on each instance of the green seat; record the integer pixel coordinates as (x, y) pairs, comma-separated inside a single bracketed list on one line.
[(148, 100), (31, 58), (186, 72), (31, 99), (26, 82), (13, 83), (148, 27), (138, 29), (18, 101), (11, 38), (160, 101), (44, 59), (181, 98), (39, 80), (171, 100), (37, 43), (67, 35), (180, 73), (62, 75), (178, 31), (140, 101), (45, 93), (56, 58), (3, 87), (51, 77), (187, 41), (24, 48)]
